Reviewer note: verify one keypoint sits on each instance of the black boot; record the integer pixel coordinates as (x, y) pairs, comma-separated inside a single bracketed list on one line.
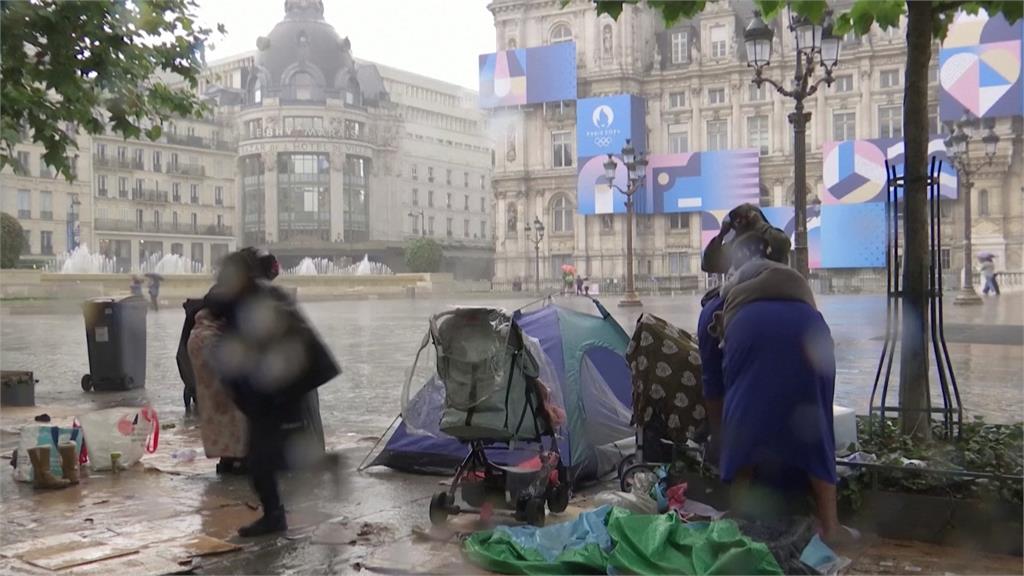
[(271, 522)]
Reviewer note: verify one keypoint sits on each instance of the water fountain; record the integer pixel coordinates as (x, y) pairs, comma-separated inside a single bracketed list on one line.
[(81, 261), (366, 267), (325, 267), (315, 267), (160, 263)]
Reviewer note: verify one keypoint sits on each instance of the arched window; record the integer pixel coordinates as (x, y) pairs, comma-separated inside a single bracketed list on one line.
[(561, 214), (511, 44), (560, 33), (765, 197), (511, 220), (257, 91), (302, 86), (983, 209)]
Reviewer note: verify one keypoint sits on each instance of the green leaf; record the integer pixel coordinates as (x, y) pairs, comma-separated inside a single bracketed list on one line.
[(610, 7)]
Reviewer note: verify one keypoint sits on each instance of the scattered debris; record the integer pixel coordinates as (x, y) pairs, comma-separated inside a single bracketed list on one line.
[(168, 426), (42, 418)]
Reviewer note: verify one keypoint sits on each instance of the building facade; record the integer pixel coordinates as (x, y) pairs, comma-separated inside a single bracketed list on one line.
[(341, 158), (699, 97), (53, 212), (307, 151), (170, 196)]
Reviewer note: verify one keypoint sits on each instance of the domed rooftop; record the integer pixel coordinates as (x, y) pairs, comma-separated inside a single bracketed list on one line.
[(304, 59)]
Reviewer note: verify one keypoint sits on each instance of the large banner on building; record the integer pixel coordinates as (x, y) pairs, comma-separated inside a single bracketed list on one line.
[(528, 75), (980, 69), (698, 181), (602, 127), (854, 170), (838, 235)]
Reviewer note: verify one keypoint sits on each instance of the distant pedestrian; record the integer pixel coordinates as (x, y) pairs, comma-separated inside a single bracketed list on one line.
[(136, 286), (579, 285), (154, 291), (988, 272)]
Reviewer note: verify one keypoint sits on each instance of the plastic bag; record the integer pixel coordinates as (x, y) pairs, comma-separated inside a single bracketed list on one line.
[(131, 431), (52, 436)]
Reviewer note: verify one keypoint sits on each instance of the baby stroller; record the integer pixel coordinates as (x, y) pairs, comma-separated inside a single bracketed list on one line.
[(494, 400), (668, 401)]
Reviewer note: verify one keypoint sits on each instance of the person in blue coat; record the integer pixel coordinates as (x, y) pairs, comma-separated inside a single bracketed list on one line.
[(768, 374)]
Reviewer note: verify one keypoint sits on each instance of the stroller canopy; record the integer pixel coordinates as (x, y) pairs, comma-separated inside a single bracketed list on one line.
[(580, 357)]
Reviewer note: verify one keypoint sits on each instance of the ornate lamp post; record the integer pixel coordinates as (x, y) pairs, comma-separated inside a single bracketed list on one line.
[(419, 214), (636, 166), (814, 44), (537, 238), (74, 229), (958, 149)]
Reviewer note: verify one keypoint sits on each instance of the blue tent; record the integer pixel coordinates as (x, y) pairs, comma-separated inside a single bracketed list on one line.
[(582, 360)]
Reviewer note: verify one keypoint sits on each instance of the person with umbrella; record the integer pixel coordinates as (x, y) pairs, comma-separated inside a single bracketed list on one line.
[(988, 272), (154, 289), (269, 357)]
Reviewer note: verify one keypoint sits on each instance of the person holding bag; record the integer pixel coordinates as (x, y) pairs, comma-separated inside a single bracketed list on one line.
[(269, 357)]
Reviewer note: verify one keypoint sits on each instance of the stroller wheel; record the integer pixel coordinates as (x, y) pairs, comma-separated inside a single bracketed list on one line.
[(625, 463), (626, 478), (535, 512), (439, 506), (558, 498)]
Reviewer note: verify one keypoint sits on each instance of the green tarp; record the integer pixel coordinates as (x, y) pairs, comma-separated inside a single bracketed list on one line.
[(640, 544)]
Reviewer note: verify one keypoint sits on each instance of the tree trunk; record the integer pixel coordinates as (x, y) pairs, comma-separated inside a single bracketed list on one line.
[(915, 398)]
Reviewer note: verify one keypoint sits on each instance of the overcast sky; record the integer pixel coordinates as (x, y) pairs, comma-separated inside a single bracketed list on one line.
[(436, 38)]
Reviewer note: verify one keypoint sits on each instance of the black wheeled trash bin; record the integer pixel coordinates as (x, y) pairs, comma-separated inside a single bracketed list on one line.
[(115, 333)]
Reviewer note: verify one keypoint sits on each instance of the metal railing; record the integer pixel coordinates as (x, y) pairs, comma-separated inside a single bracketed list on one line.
[(111, 225), (147, 195), (187, 169), (649, 285)]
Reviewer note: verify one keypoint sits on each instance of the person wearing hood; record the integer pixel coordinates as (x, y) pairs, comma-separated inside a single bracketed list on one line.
[(270, 358), (768, 374)]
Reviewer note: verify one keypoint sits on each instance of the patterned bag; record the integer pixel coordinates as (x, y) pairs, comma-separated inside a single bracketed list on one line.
[(52, 436), (667, 391)]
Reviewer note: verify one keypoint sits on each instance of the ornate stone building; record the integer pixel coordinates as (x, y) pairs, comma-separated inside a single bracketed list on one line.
[(339, 157), (700, 98)]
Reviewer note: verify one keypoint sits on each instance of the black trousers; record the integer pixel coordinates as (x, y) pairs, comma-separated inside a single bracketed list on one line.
[(266, 451)]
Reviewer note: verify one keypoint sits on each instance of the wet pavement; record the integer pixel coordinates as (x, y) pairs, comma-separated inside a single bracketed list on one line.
[(375, 341), (145, 519)]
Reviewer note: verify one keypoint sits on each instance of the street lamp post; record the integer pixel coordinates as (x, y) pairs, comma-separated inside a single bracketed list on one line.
[(74, 229), (537, 238), (814, 44), (419, 214), (636, 167), (958, 149)]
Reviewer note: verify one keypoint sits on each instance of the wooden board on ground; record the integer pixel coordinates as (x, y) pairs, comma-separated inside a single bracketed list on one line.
[(148, 564)]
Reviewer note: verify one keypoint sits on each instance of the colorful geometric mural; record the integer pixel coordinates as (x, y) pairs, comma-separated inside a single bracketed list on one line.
[(528, 75), (854, 170), (980, 69), (698, 181), (782, 217), (853, 235), (602, 127)]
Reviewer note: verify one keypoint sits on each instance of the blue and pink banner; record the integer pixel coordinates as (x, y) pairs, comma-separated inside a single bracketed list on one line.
[(602, 127), (698, 181), (980, 68), (528, 75), (854, 170)]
